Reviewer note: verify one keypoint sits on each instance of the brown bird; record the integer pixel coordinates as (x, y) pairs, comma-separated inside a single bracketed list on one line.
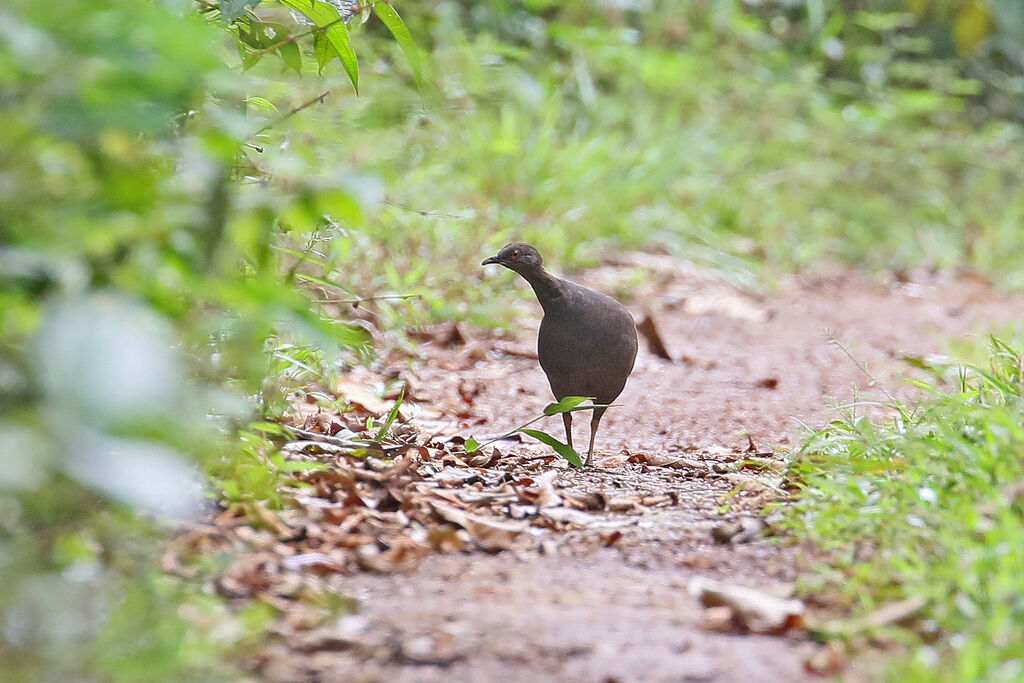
[(587, 341)]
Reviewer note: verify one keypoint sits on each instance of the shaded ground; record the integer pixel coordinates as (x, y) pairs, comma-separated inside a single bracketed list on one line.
[(606, 598)]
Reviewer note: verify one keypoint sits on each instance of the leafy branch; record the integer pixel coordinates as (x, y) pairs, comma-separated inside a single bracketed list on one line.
[(329, 32), (295, 37), (334, 34)]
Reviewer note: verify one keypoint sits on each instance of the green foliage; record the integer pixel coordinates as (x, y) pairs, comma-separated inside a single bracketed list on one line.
[(392, 414), (83, 600), (934, 502), (694, 132), (259, 35), (333, 32), (564, 450), (148, 311), (569, 404), (968, 48), (566, 405)]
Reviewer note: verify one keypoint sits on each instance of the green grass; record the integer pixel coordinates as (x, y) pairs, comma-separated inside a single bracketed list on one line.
[(719, 147), (930, 505)]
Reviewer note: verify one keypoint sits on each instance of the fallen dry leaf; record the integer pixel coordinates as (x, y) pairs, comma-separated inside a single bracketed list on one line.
[(893, 613), (648, 329), (746, 482), (584, 500), (743, 530), (622, 503), (350, 632), (570, 516), (611, 462), (515, 350), (357, 395), (437, 650), (546, 496), (405, 555), (673, 461), (311, 560), (828, 660), (610, 539), (489, 533), (445, 539), (718, 619), (752, 609)]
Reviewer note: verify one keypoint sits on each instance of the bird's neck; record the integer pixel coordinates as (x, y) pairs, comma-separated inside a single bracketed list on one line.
[(550, 290)]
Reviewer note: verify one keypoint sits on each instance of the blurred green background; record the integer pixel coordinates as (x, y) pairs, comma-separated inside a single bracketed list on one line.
[(174, 190)]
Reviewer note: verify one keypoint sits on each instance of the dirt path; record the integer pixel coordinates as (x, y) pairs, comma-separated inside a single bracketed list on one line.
[(610, 602)]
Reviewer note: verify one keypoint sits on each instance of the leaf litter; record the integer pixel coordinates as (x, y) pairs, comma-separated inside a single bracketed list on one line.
[(384, 508), (363, 501)]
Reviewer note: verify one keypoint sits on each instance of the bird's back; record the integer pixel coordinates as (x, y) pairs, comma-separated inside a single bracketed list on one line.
[(587, 344)]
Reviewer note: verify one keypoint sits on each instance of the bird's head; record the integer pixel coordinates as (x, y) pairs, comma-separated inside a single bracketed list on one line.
[(518, 256)]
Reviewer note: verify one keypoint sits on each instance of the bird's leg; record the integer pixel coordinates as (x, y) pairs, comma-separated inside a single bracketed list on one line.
[(567, 420), (594, 421)]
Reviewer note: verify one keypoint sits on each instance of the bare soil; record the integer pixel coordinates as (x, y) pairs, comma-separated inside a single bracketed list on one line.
[(609, 601)]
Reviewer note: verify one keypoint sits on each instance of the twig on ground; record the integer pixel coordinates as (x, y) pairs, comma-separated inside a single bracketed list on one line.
[(325, 438)]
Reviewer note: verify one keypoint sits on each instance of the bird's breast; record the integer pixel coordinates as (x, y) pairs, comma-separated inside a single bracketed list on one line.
[(587, 355)]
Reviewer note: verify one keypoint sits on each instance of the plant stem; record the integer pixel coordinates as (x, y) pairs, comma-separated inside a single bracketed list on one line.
[(319, 99)]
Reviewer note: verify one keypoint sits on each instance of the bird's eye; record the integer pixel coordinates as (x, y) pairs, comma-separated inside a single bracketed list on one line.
[(515, 254)]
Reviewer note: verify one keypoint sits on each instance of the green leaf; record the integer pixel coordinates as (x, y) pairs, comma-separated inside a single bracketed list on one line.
[(302, 256), (472, 445), (249, 59), (253, 34), (261, 103), (323, 281), (565, 405), (562, 449), (297, 363), (231, 489), (362, 453), (930, 388), (232, 9), (325, 51), (327, 18), (272, 428), (391, 416), (389, 17), (884, 22), (292, 56)]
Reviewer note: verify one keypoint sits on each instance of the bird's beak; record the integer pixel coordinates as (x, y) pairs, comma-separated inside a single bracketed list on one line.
[(489, 260)]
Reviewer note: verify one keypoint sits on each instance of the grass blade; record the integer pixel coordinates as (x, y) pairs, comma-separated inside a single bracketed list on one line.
[(562, 449), (389, 17), (391, 416)]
